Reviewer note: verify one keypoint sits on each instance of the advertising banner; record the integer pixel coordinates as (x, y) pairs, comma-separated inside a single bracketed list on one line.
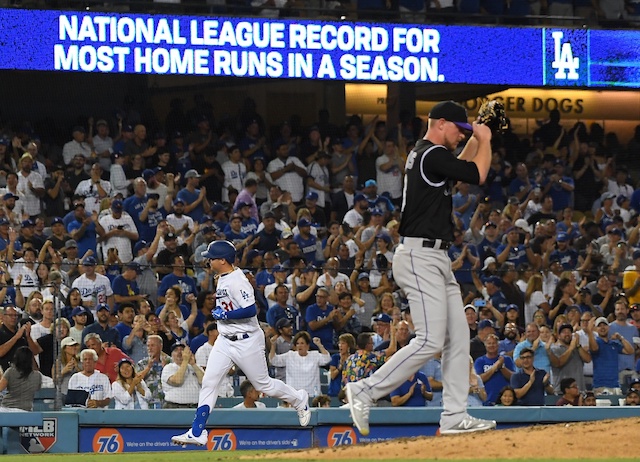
[(114, 440)]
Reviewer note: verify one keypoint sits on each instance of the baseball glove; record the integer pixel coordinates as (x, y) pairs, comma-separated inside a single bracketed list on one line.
[(492, 114)]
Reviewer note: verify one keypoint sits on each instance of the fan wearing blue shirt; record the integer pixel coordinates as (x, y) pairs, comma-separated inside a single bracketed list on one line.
[(415, 392)]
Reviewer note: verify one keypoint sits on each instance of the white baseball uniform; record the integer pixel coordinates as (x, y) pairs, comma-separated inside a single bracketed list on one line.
[(241, 342), (97, 384)]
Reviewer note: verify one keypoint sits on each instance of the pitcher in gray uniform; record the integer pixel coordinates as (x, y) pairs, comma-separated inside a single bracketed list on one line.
[(422, 268)]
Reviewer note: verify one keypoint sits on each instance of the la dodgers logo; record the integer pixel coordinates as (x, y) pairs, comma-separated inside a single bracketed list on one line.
[(563, 58)]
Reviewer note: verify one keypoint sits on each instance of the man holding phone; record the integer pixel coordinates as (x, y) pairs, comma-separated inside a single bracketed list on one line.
[(120, 232)]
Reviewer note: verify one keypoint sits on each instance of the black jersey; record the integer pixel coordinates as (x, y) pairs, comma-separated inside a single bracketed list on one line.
[(430, 172)]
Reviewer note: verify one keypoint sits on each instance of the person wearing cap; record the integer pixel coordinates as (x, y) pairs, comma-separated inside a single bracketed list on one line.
[(619, 185), (284, 342), (91, 380), (234, 171), (604, 352), (249, 224), (634, 311), (120, 232), (389, 171), (102, 143), (567, 358), (79, 317), (59, 236), (288, 172), (513, 250), (622, 326), (125, 288), (342, 200), (558, 186), (84, 229), (67, 362), (130, 390), (54, 185), (309, 244), (354, 217), (281, 309), (246, 196), (6, 238), (269, 237), (630, 281), (522, 185), (77, 146), (489, 241), (195, 200), (318, 186), (14, 336), (94, 288), (93, 189), (567, 256), (31, 184), (318, 212), (101, 327), (13, 205)]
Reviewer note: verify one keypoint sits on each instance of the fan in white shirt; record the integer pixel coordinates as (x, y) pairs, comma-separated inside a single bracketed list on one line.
[(251, 397), (92, 381)]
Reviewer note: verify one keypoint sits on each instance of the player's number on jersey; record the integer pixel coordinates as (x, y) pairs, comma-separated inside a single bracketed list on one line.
[(227, 306)]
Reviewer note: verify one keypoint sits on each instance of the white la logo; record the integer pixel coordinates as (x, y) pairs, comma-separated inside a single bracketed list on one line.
[(563, 59)]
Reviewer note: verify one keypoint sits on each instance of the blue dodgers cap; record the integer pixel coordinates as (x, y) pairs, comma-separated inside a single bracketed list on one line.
[(178, 201), (27, 223), (78, 310), (453, 112), (363, 275), (383, 317), (377, 211), (139, 246), (512, 306), (302, 222), (10, 196), (485, 323), (359, 197), (103, 306), (149, 172), (90, 261), (57, 221), (253, 253), (134, 266), (278, 268), (495, 280), (206, 218), (312, 196), (4, 221), (369, 183), (562, 237), (116, 205)]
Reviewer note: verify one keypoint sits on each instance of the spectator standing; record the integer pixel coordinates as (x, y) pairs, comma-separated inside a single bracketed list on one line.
[(494, 369), (533, 341), (95, 289), (389, 171), (93, 189), (181, 379), (151, 370), (108, 356), (567, 358), (196, 203), (604, 352), (102, 328), (623, 326), (31, 186), (302, 365), (322, 318), (21, 381), (13, 337), (288, 172), (530, 383), (120, 232)]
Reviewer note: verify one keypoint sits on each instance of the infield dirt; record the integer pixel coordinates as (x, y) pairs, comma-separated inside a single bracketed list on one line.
[(608, 439)]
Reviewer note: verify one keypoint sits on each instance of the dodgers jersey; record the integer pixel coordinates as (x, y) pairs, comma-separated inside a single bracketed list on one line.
[(234, 291)]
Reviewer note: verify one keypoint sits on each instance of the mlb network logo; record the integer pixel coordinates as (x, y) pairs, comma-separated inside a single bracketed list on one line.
[(566, 57)]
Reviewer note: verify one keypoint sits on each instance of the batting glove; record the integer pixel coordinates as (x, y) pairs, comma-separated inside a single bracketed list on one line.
[(219, 314)]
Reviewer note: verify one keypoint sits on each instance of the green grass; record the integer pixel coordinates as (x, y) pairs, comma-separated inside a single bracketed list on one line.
[(235, 456)]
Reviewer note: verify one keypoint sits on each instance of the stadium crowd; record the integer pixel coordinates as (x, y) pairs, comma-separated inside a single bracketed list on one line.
[(100, 245)]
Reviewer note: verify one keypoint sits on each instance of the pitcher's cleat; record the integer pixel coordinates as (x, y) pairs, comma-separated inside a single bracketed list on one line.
[(188, 438), (469, 425), (359, 406), (304, 413)]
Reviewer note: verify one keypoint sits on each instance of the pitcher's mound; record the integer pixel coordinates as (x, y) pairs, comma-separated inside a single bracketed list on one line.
[(584, 440)]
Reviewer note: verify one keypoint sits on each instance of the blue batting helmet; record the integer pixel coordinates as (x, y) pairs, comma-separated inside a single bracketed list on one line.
[(221, 249)]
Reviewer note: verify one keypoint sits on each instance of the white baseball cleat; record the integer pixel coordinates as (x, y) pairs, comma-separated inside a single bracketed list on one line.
[(304, 413), (359, 405), (469, 425), (188, 438)]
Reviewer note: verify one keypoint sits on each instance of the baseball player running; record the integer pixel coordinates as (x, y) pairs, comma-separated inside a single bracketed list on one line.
[(241, 342), (422, 268)]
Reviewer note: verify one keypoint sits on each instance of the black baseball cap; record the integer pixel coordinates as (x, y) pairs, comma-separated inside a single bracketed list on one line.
[(453, 112)]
